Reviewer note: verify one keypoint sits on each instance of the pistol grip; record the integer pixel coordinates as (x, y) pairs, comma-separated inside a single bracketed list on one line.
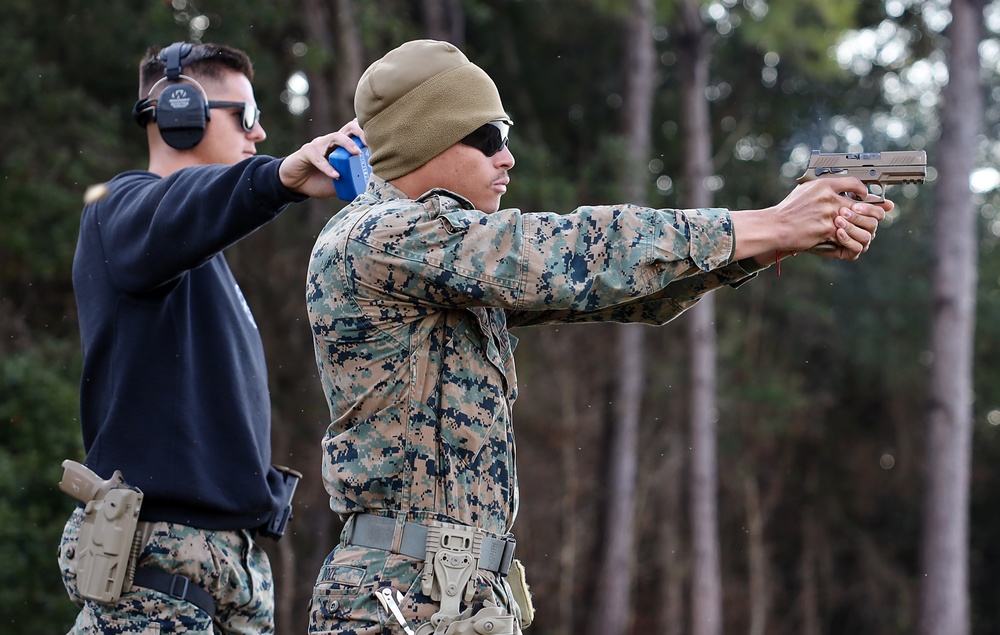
[(79, 481)]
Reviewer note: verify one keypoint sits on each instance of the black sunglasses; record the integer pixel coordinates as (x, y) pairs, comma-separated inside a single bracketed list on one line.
[(489, 138), (251, 114)]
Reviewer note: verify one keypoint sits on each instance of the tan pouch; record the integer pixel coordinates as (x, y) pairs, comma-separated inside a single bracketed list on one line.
[(519, 589)]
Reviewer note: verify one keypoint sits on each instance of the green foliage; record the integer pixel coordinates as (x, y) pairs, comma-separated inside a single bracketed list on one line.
[(69, 74), (78, 98), (38, 429), (540, 184), (802, 31)]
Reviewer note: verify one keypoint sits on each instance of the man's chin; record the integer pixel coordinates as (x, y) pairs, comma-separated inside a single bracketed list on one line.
[(492, 206)]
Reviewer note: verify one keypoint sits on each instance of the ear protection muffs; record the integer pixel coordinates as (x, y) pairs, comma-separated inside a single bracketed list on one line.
[(180, 112)]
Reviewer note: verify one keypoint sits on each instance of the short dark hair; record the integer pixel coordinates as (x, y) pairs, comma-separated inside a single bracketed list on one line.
[(205, 61)]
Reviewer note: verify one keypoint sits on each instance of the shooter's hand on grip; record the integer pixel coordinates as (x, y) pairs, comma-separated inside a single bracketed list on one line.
[(813, 213), (855, 218), (880, 169)]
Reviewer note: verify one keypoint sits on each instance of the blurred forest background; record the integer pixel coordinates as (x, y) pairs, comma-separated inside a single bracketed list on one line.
[(762, 466)]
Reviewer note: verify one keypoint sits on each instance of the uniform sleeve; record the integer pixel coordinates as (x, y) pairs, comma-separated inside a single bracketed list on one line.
[(656, 308), (586, 261)]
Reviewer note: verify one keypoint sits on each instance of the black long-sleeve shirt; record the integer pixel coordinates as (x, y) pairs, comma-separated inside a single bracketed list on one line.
[(174, 387)]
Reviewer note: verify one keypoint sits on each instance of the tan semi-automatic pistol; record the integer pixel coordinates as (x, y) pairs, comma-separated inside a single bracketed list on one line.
[(871, 168)]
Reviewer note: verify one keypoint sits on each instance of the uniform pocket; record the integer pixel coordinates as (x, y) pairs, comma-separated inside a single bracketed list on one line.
[(67, 555), (340, 597)]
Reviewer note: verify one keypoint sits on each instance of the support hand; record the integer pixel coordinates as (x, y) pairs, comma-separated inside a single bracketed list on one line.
[(835, 210), (307, 170)]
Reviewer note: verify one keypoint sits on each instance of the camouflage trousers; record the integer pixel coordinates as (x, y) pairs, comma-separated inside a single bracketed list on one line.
[(227, 564), (344, 601)]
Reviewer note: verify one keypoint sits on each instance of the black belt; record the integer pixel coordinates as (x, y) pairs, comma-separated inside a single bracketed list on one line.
[(378, 532), (176, 586)]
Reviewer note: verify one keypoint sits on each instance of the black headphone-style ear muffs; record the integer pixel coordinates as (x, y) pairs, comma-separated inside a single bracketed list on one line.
[(180, 112)]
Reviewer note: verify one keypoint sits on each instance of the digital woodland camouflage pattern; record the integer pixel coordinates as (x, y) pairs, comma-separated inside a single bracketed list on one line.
[(410, 304), (227, 564), (344, 603)]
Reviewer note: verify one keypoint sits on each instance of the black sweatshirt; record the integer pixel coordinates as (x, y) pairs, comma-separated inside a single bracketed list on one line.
[(174, 388)]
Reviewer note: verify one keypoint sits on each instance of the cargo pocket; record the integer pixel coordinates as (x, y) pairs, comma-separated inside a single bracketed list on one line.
[(339, 597), (67, 555)]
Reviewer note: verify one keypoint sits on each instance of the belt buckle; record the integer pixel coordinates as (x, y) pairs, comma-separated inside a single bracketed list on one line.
[(183, 582), (509, 545)]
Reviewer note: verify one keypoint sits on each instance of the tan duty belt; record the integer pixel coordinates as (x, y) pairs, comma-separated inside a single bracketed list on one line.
[(379, 532)]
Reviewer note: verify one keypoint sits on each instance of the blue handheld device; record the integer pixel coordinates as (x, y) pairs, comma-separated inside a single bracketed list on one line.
[(353, 169)]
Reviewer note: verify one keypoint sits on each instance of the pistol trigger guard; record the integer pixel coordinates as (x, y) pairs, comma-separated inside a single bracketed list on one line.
[(881, 193)]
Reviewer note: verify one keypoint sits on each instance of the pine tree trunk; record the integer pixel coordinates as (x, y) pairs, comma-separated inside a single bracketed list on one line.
[(615, 575), (350, 64), (614, 590), (706, 577), (945, 593), (757, 559), (670, 549), (809, 594), (444, 20), (558, 355), (695, 43)]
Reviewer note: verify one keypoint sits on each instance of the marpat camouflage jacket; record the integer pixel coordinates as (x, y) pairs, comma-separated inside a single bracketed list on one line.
[(410, 303)]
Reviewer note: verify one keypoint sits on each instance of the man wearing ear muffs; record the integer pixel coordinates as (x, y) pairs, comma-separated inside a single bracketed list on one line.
[(174, 393)]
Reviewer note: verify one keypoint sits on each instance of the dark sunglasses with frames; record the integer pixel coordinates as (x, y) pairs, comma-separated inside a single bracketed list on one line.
[(251, 114), (489, 138)]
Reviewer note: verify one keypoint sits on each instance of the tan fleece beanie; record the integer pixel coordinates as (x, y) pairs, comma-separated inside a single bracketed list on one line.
[(418, 100)]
